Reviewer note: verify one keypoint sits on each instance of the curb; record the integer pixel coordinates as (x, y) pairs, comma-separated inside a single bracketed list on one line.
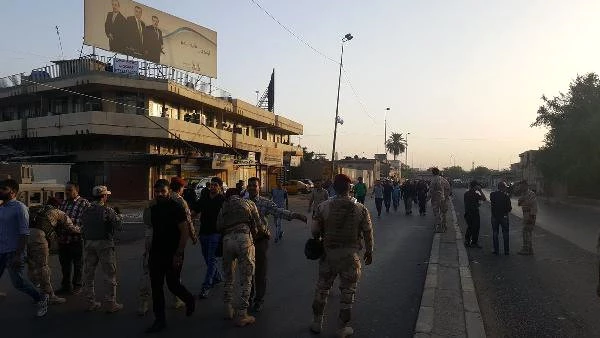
[(426, 311), (473, 320), (474, 326)]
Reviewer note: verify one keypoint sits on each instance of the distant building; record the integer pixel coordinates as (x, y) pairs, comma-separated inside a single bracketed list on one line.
[(529, 171)]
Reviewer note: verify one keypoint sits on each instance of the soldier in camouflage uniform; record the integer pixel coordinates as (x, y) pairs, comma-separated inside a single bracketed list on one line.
[(98, 225), (238, 220), (439, 193), (43, 225), (342, 223), (528, 203)]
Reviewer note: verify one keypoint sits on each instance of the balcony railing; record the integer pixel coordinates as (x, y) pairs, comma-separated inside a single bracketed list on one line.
[(99, 63)]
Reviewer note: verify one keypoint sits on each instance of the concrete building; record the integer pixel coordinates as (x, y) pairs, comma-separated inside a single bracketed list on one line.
[(528, 171), (368, 169), (127, 130)]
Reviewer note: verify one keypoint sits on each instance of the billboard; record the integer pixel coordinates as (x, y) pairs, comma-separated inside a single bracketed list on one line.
[(130, 28)]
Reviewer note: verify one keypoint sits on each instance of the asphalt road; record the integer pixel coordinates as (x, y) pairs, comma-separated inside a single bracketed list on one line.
[(550, 294), (387, 301)]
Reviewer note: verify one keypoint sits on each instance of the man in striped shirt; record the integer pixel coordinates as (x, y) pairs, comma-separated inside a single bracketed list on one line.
[(70, 244)]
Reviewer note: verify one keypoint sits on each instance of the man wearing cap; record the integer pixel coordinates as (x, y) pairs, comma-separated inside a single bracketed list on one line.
[(472, 199), (99, 224), (42, 226), (342, 223), (261, 242), (528, 203), (439, 193)]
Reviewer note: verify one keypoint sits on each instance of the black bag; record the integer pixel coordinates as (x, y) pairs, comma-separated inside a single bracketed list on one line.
[(313, 249)]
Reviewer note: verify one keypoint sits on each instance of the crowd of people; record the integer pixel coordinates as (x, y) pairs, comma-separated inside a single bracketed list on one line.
[(234, 226)]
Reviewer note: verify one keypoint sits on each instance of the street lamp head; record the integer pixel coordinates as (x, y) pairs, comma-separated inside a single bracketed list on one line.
[(387, 108), (348, 37)]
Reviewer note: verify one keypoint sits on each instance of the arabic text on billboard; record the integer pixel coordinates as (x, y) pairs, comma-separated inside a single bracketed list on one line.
[(125, 66), (128, 27)]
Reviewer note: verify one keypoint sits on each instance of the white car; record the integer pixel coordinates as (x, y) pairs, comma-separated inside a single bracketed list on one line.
[(198, 184)]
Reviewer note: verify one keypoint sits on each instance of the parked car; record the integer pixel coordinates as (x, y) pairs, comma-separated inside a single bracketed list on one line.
[(197, 184), (308, 183), (295, 187)]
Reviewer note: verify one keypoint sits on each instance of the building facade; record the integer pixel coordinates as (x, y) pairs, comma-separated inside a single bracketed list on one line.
[(127, 130)]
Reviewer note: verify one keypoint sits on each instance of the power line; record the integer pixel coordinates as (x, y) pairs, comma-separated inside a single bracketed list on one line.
[(136, 107), (297, 36), (289, 30)]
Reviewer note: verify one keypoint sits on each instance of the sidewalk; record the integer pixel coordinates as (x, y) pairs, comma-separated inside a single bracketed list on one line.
[(449, 305), (577, 224)]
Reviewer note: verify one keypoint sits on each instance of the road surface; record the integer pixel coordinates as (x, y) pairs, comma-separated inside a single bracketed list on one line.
[(550, 294), (387, 303)]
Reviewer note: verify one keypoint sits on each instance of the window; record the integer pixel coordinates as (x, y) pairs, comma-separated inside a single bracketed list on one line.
[(130, 103), (35, 198)]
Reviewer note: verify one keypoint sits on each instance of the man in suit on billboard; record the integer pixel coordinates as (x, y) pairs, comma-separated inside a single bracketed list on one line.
[(114, 27), (153, 41), (135, 33)]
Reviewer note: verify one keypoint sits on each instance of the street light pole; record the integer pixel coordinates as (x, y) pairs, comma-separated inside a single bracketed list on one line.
[(385, 132), (346, 37), (406, 150)]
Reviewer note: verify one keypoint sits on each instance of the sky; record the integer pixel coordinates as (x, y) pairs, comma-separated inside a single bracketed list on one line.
[(464, 78)]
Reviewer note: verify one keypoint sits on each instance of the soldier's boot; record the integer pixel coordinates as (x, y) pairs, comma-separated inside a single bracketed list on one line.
[(112, 307), (178, 303), (54, 300), (228, 311), (142, 308), (244, 319), (93, 306), (317, 324), (345, 329)]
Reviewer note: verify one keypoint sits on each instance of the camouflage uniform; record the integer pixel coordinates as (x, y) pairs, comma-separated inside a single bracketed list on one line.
[(238, 221), (144, 289), (439, 191), (98, 224), (343, 223), (43, 227), (528, 203)]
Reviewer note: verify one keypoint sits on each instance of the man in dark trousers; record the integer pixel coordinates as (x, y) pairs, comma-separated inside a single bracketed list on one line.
[(408, 195), (209, 207), (265, 208), (422, 190), (135, 33), (115, 27), (153, 41), (501, 206), (388, 189), (169, 237), (472, 198)]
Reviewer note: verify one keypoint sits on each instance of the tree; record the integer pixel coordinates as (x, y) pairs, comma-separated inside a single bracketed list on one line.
[(454, 172), (395, 144), (308, 155), (480, 172), (571, 151)]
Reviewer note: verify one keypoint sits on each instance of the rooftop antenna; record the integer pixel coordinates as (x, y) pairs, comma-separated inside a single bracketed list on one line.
[(60, 43)]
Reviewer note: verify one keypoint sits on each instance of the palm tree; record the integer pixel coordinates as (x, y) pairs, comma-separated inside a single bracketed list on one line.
[(396, 144)]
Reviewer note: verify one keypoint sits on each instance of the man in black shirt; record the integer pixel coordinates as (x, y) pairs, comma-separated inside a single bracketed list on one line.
[(209, 207), (169, 237), (472, 198), (501, 206)]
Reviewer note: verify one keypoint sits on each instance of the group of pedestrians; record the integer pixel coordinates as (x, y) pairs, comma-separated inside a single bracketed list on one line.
[(389, 193), (501, 206), (25, 240)]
